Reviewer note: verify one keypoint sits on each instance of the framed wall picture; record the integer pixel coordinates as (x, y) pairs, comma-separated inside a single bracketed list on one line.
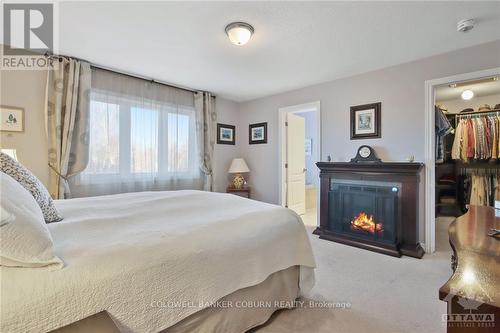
[(257, 133), (226, 134), (11, 119), (365, 121)]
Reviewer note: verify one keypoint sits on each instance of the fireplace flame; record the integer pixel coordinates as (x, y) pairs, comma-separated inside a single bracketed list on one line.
[(366, 223)]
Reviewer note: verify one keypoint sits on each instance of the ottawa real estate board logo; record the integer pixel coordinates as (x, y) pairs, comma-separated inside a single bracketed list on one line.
[(28, 34), (468, 312)]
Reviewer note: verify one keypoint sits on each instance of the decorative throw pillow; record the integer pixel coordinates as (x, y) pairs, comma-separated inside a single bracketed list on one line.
[(25, 240), (22, 175)]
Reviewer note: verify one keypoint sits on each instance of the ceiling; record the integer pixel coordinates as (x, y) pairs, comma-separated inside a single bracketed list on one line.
[(295, 44), (445, 93)]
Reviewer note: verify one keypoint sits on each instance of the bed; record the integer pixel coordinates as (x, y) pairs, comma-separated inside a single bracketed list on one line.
[(162, 261)]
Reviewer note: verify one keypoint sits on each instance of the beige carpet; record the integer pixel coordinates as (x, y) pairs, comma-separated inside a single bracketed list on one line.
[(386, 294)]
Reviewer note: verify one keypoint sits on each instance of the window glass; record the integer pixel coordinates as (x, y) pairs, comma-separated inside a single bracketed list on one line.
[(178, 142), (104, 150), (143, 140)]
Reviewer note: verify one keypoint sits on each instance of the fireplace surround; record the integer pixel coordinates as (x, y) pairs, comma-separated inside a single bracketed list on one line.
[(373, 206)]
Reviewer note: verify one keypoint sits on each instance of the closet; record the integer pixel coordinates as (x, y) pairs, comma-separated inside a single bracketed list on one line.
[(467, 146), (476, 151)]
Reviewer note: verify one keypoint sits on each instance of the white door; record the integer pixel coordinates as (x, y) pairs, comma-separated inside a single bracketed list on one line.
[(296, 163)]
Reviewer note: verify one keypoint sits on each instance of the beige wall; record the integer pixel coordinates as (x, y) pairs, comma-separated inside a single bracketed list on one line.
[(401, 89), (26, 89), (227, 113)]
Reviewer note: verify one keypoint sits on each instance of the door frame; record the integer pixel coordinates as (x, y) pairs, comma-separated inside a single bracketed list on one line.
[(300, 108), (430, 165)]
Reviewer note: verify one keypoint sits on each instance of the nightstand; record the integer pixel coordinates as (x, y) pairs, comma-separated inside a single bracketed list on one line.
[(242, 192)]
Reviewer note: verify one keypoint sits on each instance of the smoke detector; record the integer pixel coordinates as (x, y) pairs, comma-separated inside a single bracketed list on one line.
[(465, 25)]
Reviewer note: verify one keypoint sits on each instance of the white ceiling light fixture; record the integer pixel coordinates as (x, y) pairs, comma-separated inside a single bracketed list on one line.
[(239, 33), (467, 94)]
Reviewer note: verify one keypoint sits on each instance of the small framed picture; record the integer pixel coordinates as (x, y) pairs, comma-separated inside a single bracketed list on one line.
[(226, 134), (257, 133), (365, 121), (11, 119)]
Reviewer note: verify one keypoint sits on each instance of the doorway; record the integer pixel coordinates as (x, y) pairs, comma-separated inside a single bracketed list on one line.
[(461, 103), (432, 172), (300, 149)]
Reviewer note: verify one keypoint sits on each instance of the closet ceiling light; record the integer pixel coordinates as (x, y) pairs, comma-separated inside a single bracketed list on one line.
[(239, 33), (467, 94)]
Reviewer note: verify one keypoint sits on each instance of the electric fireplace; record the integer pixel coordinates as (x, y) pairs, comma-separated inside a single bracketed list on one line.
[(373, 206), (367, 210)]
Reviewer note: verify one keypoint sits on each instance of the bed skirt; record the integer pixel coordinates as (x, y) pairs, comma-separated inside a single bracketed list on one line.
[(239, 311)]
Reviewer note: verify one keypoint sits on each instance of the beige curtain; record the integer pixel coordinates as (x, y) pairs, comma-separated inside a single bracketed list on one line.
[(67, 116), (206, 123)]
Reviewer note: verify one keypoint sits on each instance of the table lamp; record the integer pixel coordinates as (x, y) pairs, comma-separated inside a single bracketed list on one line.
[(238, 166)]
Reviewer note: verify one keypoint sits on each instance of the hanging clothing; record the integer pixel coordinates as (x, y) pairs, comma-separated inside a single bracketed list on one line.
[(497, 119), (494, 137), (477, 138), (478, 192), (443, 128), (458, 145), (471, 142), (481, 190)]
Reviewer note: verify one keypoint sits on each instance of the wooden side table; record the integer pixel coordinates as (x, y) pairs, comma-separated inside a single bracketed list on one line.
[(242, 192)]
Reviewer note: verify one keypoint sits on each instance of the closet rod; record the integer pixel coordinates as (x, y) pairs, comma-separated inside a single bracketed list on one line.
[(473, 113)]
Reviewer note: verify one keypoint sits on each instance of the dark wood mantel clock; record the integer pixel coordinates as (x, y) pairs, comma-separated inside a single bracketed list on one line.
[(366, 154)]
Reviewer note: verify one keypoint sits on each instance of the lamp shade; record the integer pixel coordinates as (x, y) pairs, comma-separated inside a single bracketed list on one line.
[(238, 165)]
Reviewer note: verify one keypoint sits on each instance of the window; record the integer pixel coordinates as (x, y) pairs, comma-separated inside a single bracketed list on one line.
[(133, 139), (143, 137)]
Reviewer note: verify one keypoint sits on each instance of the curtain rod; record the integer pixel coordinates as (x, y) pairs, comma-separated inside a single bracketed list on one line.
[(113, 70), (137, 76)]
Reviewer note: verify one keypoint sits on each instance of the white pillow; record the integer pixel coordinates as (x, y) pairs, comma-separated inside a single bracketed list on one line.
[(25, 240)]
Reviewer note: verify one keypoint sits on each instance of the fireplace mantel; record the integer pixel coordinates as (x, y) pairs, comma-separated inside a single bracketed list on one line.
[(378, 167), (406, 174)]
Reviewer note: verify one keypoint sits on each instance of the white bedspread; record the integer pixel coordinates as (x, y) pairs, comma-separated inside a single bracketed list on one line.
[(134, 254)]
